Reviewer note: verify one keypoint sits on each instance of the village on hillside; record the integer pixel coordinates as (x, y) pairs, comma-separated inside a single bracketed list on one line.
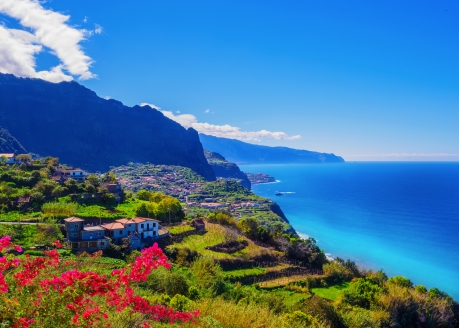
[(192, 190)]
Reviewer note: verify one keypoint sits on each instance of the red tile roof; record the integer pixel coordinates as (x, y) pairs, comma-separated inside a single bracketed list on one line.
[(124, 221), (138, 220), (73, 219), (113, 226)]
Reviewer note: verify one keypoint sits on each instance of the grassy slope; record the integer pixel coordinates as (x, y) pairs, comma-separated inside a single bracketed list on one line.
[(330, 293), (215, 235)]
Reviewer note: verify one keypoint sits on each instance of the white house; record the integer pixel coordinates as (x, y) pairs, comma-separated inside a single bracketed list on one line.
[(10, 158), (146, 227), (76, 174)]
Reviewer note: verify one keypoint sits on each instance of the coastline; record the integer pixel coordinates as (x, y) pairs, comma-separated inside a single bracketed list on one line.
[(364, 212)]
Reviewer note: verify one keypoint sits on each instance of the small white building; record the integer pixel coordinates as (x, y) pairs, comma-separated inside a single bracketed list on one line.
[(146, 227), (10, 158), (76, 174)]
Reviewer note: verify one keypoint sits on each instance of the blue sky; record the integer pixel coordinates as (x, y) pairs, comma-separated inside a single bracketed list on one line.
[(368, 80)]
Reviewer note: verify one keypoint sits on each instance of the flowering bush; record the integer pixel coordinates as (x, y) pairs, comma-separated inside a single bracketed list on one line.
[(50, 291)]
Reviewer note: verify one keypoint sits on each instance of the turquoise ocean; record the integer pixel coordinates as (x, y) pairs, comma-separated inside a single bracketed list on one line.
[(399, 217)]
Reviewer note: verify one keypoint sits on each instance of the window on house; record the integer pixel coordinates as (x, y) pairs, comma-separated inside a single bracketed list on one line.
[(76, 225), (121, 232), (75, 234), (102, 243), (154, 233), (90, 234), (154, 224), (141, 226), (99, 233)]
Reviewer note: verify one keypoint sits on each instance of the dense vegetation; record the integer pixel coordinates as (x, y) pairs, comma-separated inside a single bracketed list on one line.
[(241, 271), (339, 295), (28, 190), (160, 206)]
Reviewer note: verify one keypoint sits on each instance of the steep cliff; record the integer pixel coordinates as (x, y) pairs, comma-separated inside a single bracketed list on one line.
[(9, 144), (244, 153), (225, 169), (71, 122)]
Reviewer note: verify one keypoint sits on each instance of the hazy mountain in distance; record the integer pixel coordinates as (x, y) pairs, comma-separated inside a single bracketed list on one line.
[(245, 153)]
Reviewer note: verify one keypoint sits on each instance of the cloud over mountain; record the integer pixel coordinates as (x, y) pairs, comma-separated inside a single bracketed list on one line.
[(224, 131), (49, 30)]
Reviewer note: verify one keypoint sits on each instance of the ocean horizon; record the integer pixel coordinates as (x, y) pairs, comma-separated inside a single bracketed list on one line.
[(401, 217)]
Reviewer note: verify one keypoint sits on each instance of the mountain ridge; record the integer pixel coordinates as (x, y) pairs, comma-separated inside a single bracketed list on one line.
[(71, 122), (9, 144)]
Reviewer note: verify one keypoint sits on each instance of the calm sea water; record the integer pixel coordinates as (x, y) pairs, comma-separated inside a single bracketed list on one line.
[(399, 217)]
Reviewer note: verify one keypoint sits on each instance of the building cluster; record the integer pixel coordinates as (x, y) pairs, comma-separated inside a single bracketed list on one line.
[(139, 232), (156, 177)]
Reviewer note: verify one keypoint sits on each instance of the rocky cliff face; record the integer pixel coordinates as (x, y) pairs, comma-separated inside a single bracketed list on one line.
[(71, 122), (244, 153), (225, 169), (9, 144)]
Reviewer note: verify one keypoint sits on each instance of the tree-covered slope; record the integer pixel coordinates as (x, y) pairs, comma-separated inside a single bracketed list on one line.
[(82, 129), (242, 152), (9, 144), (225, 169)]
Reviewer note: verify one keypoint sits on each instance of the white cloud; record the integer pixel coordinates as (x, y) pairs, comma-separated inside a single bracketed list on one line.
[(98, 29), (207, 111), (19, 47), (151, 105), (186, 120), (85, 19), (224, 131)]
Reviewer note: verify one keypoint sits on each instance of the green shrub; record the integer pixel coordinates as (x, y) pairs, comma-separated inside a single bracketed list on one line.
[(361, 293), (193, 293), (65, 253), (420, 289), (355, 317), (320, 309), (34, 252), (175, 284), (400, 281), (210, 322), (208, 275), (180, 303), (300, 319), (185, 256), (131, 257), (164, 299), (337, 273)]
